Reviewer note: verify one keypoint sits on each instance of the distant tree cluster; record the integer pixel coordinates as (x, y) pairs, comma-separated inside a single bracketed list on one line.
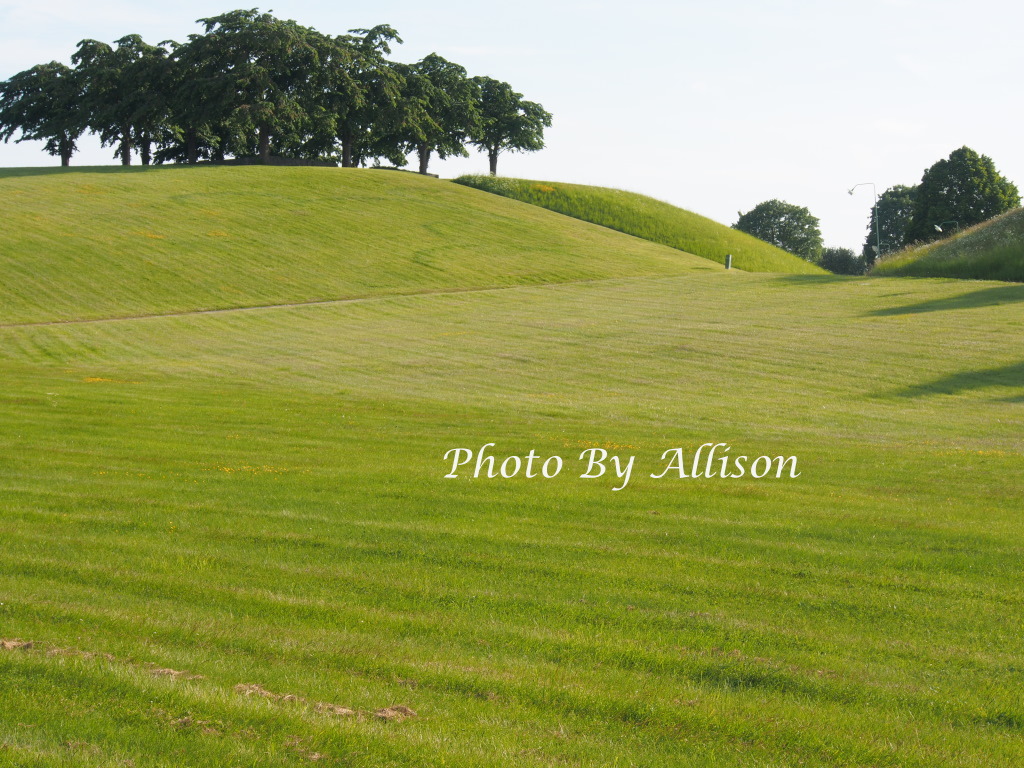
[(963, 190), (841, 261), (795, 229), (252, 85), (790, 227)]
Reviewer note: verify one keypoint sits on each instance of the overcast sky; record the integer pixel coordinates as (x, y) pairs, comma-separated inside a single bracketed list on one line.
[(712, 107)]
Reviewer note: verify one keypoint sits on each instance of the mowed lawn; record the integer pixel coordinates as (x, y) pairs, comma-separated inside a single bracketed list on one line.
[(114, 242), (650, 219), (196, 503)]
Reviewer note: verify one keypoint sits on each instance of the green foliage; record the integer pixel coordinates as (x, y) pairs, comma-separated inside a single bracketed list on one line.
[(260, 73), (965, 188), (438, 111), (645, 217), (43, 104), (255, 85), (125, 94), (789, 227), (992, 250), (365, 90), (841, 261), (895, 208), (507, 122)]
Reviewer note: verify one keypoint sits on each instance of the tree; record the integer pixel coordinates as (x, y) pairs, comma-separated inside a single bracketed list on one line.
[(365, 89), (507, 123), (43, 104), (436, 112), (785, 225), (895, 208), (254, 74), (965, 188), (841, 261), (190, 133), (123, 92), (104, 87), (148, 70)]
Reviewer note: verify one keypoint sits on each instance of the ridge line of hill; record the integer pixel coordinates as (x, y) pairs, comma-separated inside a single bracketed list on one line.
[(647, 218)]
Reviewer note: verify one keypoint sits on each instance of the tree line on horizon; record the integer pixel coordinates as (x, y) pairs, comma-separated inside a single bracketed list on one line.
[(955, 193), (958, 192), (252, 85)]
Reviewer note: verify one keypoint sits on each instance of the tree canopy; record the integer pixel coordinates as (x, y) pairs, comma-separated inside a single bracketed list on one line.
[(44, 104), (121, 92), (894, 208), (790, 227), (841, 261), (438, 111), (253, 85), (507, 122), (965, 188)]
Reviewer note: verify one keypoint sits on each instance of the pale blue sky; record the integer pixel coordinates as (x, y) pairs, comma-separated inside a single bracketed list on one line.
[(713, 107)]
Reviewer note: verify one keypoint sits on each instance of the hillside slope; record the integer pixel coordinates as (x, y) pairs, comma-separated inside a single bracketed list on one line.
[(111, 242), (992, 250), (650, 219)]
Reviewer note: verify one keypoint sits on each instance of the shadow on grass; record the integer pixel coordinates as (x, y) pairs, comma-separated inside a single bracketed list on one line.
[(54, 170), (1004, 376), (816, 279), (986, 297), (57, 170)]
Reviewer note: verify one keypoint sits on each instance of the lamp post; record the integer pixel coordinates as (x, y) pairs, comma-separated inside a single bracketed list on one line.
[(878, 230)]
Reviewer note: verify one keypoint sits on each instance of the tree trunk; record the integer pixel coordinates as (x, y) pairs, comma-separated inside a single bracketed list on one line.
[(424, 157), (65, 153), (191, 147), (346, 151), (492, 156), (221, 146), (264, 144), (145, 149), (126, 146)]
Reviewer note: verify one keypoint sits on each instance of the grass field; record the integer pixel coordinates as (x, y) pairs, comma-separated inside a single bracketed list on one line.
[(226, 538), (992, 250), (650, 219), (107, 242)]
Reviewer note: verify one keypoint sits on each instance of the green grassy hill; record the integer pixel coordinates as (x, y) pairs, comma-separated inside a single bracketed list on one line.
[(650, 219), (111, 242), (992, 250), (227, 539)]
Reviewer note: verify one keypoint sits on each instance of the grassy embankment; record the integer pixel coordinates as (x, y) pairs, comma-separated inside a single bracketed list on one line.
[(256, 498), (99, 242), (650, 219), (992, 250)]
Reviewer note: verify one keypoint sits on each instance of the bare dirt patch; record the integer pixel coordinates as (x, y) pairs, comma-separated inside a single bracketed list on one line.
[(395, 713), (325, 707), (177, 674), (15, 645)]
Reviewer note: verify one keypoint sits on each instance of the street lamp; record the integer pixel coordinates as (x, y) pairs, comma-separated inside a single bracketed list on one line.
[(938, 227), (878, 230)]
